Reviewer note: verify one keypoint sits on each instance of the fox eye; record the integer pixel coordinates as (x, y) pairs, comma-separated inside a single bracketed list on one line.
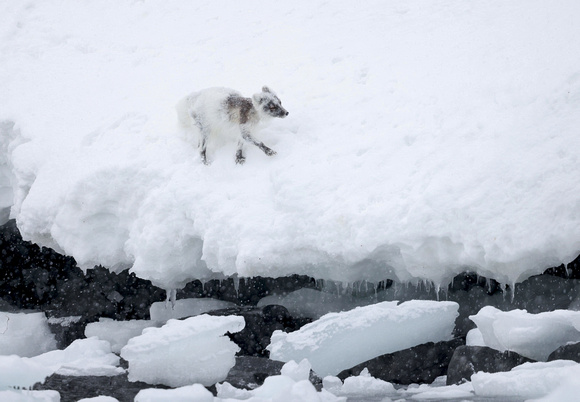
[(272, 107)]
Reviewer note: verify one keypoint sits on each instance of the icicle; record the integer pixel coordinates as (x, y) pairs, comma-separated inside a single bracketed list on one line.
[(171, 298), (567, 271), (437, 288), (236, 280), (513, 288)]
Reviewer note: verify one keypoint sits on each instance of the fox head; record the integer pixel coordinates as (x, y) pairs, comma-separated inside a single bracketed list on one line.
[(269, 104)]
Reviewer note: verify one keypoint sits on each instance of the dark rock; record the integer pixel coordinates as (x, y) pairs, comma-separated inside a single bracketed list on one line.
[(67, 329), (250, 371), (467, 360), (72, 389), (419, 364), (566, 352), (33, 277), (260, 323), (245, 291), (568, 271)]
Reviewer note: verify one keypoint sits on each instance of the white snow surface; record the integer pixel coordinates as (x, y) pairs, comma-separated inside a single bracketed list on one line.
[(531, 335), (338, 341), (183, 352), (423, 138)]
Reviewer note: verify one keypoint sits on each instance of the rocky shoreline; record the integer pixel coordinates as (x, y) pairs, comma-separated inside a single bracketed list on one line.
[(39, 279)]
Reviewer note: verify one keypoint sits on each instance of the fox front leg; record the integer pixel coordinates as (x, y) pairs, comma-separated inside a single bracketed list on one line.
[(248, 137), (240, 158)]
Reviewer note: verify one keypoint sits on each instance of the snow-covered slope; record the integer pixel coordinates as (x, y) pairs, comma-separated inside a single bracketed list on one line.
[(423, 138)]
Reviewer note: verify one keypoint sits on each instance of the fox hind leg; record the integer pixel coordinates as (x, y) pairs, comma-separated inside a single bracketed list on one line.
[(204, 134)]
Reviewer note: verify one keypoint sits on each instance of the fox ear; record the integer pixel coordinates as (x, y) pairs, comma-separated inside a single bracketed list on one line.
[(266, 89), (257, 98)]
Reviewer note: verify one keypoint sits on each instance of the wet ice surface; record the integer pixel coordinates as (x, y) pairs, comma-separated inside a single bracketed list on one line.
[(160, 353)]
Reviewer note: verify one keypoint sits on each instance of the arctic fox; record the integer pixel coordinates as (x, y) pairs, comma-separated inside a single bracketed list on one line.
[(216, 111)]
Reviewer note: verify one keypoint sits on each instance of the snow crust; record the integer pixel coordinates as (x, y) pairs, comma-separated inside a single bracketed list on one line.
[(368, 331), (181, 353), (423, 139), (531, 335)]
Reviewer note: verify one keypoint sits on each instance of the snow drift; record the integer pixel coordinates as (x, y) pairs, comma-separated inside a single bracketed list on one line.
[(423, 139)]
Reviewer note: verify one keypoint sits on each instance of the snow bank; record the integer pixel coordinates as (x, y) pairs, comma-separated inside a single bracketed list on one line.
[(181, 353), (422, 138), (530, 380), (25, 334), (338, 341), (531, 335)]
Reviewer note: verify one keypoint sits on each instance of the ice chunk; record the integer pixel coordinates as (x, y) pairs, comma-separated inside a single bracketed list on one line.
[(338, 341), (567, 392), (163, 311), (361, 386), (532, 335), (529, 380), (189, 393), (474, 338), (29, 396), (83, 357), (22, 372), (117, 333), (180, 353), (439, 393), (281, 388), (99, 399), (25, 334), (297, 371)]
